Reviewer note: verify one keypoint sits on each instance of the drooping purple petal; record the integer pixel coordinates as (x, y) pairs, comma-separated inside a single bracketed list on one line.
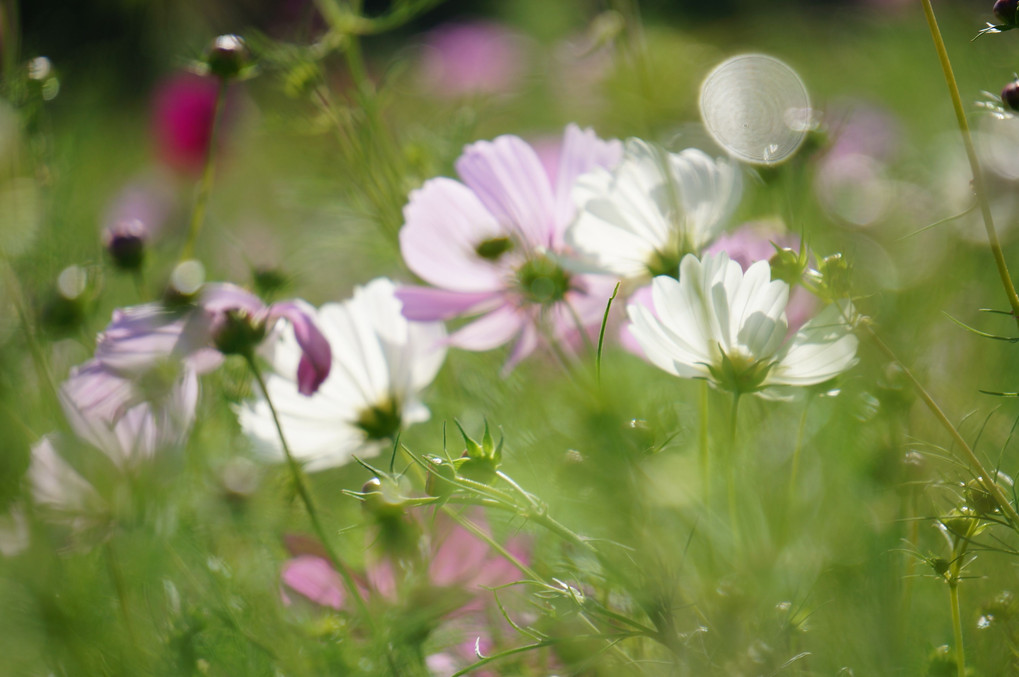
[(316, 357)]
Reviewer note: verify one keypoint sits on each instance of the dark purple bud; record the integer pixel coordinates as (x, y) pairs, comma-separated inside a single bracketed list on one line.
[(227, 56), (125, 243), (1005, 10), (1010, 95)]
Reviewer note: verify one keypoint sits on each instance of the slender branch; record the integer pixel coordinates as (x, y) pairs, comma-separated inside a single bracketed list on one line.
[(979, 186), (205, 185), (960, 652), (305, 494)]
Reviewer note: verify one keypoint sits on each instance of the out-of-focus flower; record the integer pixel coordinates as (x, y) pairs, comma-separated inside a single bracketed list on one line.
[(381, 363), (641, 218), (460, 570), (492, 245), (478, 57), (226, 320), (134, 220), (183, 108), (127, 419), (718, 323), (59, 488)]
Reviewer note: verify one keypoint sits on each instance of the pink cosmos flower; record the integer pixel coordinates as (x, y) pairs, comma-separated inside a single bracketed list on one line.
[(478, 57), (492, 245)]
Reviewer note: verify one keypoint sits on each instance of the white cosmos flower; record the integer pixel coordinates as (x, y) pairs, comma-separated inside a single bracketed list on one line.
[(654, 207), (381, 362), (718, 323)]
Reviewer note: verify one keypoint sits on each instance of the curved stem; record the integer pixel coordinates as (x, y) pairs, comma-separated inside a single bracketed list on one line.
[(309, 505), (205, 185), (978, 177), (990, 486)]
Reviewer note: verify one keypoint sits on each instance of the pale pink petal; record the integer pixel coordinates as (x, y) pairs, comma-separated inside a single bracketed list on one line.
[(490, 331), (444, 224), (314, 578), (427, 304), (582, 151), (511, 183)]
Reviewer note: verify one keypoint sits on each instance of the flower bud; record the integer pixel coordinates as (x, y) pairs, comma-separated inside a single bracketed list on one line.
[(1006, 10), (227, 56), (440, 471), (834, 271), (125, 243), (1010, 95), (787, 265), (237, 332)]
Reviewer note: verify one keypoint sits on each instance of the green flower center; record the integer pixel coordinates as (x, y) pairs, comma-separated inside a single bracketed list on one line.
[(380, 421), (664, 263), (739, 373), (542, 281), (493, 249)]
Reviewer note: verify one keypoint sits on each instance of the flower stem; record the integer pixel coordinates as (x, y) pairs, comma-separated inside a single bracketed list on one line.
[(985, 478), (960, 653), (305, 494), (205, 185), (794, 471), (731, 470), (978, 177)]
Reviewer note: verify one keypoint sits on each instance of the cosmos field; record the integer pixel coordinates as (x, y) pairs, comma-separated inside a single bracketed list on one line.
[(509, 338)]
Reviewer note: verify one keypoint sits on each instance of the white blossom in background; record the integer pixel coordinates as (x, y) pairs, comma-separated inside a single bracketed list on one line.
[(380, 364), (654, 207), (718, 323)]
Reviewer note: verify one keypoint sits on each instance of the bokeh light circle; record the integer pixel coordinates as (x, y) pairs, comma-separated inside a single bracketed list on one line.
[(756, 107)]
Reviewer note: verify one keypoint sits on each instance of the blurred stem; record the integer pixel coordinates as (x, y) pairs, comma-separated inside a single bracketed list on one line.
[(205, 186), (705, 452), (978, 177), (731, 470), (13, 288), (985, 478), (953, 596), (305, 494), (118, 585), (794, 471), (10, 37)]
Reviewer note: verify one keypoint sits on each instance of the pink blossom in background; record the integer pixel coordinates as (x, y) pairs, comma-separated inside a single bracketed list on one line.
[(478, 57), (492, 245), (183, 107), (459, 563)]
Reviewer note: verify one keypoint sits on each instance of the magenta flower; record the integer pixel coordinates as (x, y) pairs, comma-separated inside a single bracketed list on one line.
[(492, 245), (183, 108), (472, 58)]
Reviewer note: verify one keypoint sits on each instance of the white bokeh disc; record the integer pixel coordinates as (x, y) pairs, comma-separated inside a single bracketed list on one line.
[(756, 107)]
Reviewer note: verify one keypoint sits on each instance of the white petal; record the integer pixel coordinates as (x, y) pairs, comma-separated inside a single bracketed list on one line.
[(822, 349)]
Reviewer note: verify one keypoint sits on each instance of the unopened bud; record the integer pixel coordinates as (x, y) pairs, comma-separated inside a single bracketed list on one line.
[(1006, 10), (227, 56), (125, 243), (1010, 95), (787, 265)]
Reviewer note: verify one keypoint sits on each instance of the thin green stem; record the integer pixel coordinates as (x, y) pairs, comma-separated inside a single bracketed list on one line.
[(979, 186), (302, 490), (969, 456), (118, 585), (794, 470), (731, 470), (960, 652), (205, 184)]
